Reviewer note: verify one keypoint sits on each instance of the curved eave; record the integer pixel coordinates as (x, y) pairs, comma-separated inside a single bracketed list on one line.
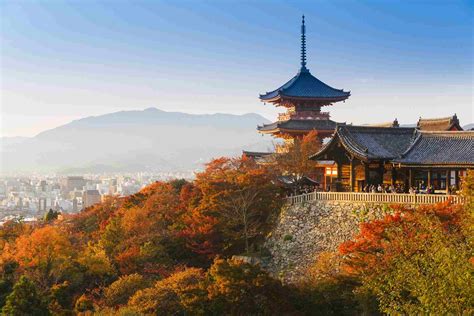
[(280, 97), (347, 146), (293, 131), (435, 164)]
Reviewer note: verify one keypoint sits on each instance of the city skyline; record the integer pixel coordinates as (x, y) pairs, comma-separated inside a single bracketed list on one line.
[(62, 61)]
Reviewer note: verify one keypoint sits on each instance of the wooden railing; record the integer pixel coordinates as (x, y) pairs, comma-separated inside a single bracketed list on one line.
[(389, 198)]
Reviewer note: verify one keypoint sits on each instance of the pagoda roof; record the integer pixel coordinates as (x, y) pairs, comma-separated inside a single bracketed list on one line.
[(440, 124), (305, 85), (369, 143), (451, 148), (298, 125)]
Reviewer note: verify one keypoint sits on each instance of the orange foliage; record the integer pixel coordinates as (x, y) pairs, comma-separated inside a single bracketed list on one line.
[(43, 254), (373, 247)]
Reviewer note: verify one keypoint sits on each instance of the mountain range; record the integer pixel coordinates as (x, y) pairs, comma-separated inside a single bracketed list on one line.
[(148, 140)]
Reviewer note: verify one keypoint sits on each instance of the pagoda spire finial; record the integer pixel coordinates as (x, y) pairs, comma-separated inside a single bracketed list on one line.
[(303, 45)]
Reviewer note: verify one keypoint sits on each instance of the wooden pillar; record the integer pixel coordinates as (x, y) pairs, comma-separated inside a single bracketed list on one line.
[(429, 179), (339, 177), (352, 176), (366, 173), (381, 172), (339, 171), (394, 175), (407, 180), (325, 179), (456, 179), (448, 178), (410, 178)]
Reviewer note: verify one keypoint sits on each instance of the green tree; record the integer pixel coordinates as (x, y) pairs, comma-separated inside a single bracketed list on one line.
[(5, 289), (24, 300), (51, 215)]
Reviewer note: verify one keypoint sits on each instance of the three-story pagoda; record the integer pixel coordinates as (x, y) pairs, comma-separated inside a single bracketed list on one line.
[(303, 97)]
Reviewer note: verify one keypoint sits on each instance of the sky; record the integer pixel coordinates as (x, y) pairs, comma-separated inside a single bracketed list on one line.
[(64, 60)]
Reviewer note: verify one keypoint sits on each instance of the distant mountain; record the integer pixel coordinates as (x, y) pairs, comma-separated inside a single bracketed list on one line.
[(468, 127), (7, 141), (148, 140)]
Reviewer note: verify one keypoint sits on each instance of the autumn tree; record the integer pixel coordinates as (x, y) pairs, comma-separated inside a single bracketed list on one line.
[(240, 195), (294, 163), (415, 261), (328, 290), (238, 288), (119, 292), (182, 293), (44, 255)]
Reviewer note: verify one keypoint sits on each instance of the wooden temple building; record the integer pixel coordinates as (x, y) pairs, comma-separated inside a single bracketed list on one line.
[(398, 156), (303, 97), (433, 154)]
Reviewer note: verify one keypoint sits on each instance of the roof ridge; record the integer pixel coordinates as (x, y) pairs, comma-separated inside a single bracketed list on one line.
[(448, 133), (352, 142), (416, 139), (391, 128), (436, 118)]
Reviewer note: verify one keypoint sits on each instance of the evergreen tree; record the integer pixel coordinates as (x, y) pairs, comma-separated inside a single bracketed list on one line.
[(51, 215), (5, 289), (24, 300)]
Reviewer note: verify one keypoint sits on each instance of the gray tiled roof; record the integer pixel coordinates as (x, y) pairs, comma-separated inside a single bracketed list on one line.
[(305, 85), (303, 125), (371, 143), (452, 148)]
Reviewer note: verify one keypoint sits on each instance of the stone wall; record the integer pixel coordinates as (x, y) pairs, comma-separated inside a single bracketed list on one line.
[(304, 230)]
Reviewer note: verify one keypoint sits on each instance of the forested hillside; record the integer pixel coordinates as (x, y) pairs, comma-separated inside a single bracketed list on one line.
[(168, 249)]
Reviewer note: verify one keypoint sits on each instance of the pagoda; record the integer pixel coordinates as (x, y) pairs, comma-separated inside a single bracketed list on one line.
[(303, 97)]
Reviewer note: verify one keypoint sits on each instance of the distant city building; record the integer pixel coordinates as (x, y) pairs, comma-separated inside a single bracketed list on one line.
[(90, 197), (42, 205), (72, 183)]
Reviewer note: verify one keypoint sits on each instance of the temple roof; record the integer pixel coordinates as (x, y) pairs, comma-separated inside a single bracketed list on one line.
[(369, 143), (440, 124), (256, 154), (434, 148), (305, 85), (385, 124), (299, 125)]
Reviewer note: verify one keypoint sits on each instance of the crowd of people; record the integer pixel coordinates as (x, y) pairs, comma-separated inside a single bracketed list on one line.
[(384, 188), (400, 188)]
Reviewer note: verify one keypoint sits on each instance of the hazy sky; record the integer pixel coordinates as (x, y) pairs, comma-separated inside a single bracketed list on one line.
[(63, 60)]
